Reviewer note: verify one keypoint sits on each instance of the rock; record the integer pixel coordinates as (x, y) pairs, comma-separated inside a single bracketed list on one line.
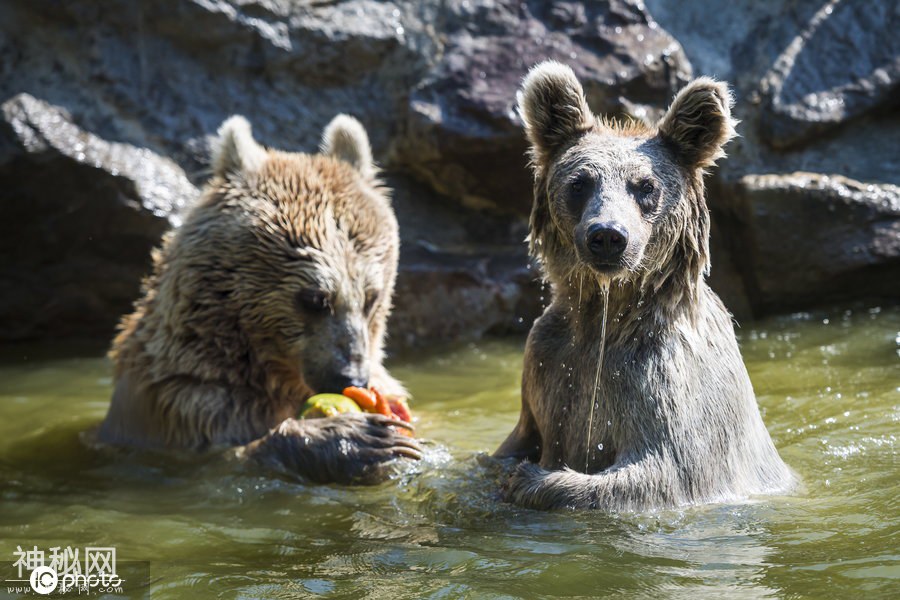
[(725, 277), (462, 273), (807, 238), (463, 136), (165, 74), (712, 39), (447, 297), (816, 89), (844, 63), (78, 218)]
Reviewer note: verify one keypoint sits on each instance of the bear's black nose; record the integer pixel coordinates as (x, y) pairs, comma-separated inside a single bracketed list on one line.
[(607, 241)]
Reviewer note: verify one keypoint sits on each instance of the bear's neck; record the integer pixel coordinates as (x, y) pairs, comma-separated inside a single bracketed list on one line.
[(635, 308)]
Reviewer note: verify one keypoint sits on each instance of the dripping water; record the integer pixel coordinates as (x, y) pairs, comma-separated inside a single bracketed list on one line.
[(604, 290), (580, 286)]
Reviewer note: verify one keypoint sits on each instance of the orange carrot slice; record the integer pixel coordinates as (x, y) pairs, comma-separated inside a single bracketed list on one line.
[(365, 398), (381, 404)]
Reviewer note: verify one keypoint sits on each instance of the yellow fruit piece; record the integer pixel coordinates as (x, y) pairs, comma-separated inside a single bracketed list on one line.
[(328, 405)]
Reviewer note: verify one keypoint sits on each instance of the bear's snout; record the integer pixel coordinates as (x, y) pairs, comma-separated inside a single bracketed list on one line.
[(332, 377), (607, 242), (336, 382)]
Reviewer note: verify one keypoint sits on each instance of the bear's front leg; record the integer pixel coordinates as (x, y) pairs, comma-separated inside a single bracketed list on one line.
[(531, 486), (348, 448), (638, 485)]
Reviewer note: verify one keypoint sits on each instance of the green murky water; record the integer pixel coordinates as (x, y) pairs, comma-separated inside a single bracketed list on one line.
[(828, 384)]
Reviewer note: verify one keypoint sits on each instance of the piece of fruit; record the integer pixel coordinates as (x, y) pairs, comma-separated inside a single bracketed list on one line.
[(328, 405), (364, 398), (400, 408), (382, 406), (356, 399), (386, 407)]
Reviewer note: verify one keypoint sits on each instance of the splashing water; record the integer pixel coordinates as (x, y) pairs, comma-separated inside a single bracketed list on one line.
[(604, 290)]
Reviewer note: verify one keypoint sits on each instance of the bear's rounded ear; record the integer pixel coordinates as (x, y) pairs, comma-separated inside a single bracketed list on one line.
[(345, 138), (698, 124), (553, 107), (235, 150)]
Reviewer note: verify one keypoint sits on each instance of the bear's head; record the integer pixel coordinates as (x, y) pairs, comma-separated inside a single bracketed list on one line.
[(296, 255), (618, 201)]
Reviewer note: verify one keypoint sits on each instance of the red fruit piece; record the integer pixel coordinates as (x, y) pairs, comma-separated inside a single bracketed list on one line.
[(400, 409)]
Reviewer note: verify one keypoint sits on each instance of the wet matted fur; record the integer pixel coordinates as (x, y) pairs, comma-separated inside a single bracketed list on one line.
[(675, 420), (277, 286)]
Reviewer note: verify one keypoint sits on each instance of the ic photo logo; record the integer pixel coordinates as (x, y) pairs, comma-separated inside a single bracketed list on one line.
[(63, 571), (44, 580)]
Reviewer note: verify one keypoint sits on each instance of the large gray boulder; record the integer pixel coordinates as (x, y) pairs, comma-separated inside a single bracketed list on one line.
[(78, 218), (801, 237), (462, 274), (844, 63)]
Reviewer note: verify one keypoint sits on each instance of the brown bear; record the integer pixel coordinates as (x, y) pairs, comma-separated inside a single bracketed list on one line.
[(619, 212), (278, 285)]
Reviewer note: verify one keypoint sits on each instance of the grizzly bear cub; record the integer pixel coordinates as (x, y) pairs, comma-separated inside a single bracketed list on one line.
[(619, 215), (277, 286)]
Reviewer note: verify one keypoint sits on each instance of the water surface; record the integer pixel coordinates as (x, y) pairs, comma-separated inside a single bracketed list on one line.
[(828, 384)]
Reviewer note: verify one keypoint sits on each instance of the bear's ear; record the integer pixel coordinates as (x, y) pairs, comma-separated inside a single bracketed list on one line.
[(698, 123), (552, 105), (345, 138), (235, 150)]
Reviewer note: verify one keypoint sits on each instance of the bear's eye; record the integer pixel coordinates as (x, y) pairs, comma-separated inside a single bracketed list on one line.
[(314, 300), (579, 190), (580, 184), (645, 192)]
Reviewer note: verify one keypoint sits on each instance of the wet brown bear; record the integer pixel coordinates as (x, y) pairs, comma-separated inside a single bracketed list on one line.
[(277, 286), (674, 420)]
